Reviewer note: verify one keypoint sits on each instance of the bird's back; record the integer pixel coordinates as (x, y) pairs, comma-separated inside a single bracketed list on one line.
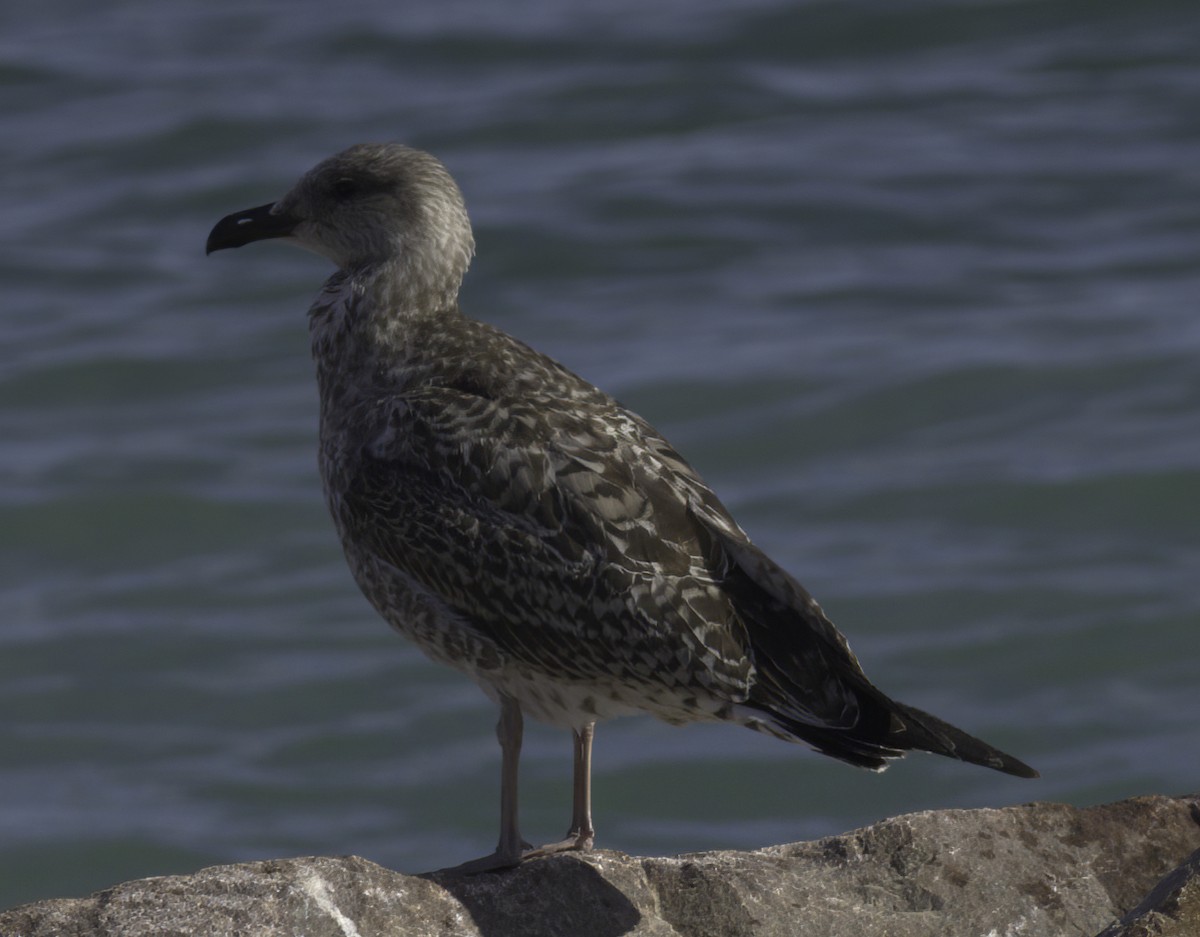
[(562, 533), (590, 568)]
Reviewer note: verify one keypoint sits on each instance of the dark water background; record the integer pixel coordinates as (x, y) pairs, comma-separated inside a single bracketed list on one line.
[(913, 284)]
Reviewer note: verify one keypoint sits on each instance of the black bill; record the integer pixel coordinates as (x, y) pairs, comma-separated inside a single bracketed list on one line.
[(253, 224)]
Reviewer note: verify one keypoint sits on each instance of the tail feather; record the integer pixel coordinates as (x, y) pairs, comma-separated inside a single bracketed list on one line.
[(921, 731), (808, 685), (887, 730)]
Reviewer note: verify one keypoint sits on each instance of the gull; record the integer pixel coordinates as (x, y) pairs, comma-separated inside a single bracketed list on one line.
[(520, 525)]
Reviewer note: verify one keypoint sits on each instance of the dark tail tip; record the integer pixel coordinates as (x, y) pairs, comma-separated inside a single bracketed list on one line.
[(915, 729)]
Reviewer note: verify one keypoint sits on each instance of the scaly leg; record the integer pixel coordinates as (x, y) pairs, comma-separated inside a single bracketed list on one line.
[(581, 836), (581, 809), (511, 849)]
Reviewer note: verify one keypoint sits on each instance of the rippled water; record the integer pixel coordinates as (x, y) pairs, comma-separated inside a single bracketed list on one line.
[(913, 285)]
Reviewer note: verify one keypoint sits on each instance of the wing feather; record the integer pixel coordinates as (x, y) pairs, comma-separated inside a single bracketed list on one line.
[(563, 534)]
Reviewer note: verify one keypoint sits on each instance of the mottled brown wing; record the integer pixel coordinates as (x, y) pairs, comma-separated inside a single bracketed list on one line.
[(803, 668), (558, 531)]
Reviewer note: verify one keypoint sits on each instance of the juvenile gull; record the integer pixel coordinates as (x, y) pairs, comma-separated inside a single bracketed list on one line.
[(523, 527)]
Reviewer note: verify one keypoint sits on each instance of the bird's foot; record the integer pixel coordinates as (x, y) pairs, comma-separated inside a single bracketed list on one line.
[(502, 858), (576, 841)]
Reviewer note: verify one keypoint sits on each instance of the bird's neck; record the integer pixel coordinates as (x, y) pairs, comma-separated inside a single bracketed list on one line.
[(362, 328)]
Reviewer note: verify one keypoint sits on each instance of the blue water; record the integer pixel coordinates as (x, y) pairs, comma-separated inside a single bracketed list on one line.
[(913, 285)]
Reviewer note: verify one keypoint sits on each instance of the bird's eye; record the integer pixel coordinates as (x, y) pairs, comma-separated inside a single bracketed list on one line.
[(345, 188)]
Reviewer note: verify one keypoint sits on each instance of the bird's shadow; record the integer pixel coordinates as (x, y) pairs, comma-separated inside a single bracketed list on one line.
[(549, 897)]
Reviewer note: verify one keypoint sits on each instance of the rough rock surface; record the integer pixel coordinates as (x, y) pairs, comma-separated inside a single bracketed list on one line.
[(1172, 909), (1039, 869)]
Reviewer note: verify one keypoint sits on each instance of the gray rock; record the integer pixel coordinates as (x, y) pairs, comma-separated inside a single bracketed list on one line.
[(1040, 869), (1172, 909)]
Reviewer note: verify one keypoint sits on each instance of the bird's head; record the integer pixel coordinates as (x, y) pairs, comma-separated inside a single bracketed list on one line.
[(371, 206)]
